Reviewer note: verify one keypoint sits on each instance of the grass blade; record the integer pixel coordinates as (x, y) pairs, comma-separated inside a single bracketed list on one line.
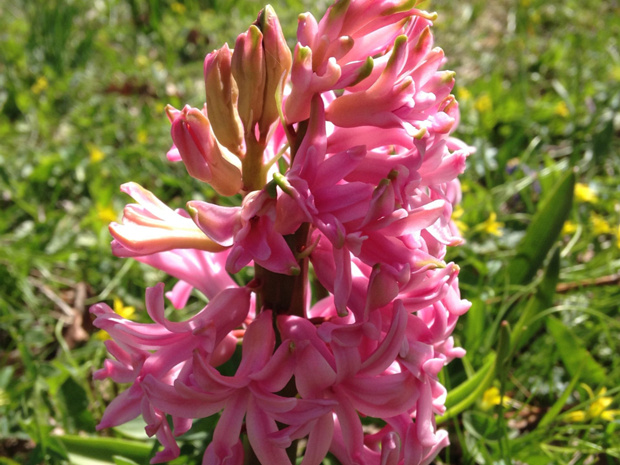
[(573, 354), (543, 231)]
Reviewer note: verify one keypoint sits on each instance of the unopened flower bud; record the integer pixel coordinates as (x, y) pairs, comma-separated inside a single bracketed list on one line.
[(222, 95), (204, 158), (248, 69), (278, 61)]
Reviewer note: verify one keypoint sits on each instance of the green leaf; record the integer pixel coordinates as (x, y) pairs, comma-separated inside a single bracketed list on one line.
[(543, 231), (528, 324), (459, 393), (481, 425), (133, 429), (7, 461), (99, 451), (573, 354), (6, 375), (474, 324), (556, 408), (464, 395), (76, 406), (123, 461)]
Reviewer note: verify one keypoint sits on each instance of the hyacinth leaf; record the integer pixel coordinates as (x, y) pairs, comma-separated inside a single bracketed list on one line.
[(528, 324), (93, 450), (132, 430), (474, 324), (574, 354), (458, 394), (468, 392), (543, 231), (556, 408), (123, 461)]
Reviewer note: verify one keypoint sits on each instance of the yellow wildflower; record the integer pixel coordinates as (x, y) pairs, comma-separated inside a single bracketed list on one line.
[(178, 8), (457, 213), (569, 227), (142, 60), (122, 311), (578, 416), (39, 86), (483, 103), (583, 193), (618, 236), (491, 398), (106, 214), (95, 154), (598, 408), (101, 335), (492, 226), (463, 94), (142, 136), (599, 224), (561, 109)]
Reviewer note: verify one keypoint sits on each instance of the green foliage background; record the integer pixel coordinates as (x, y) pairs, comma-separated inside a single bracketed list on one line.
[(83, 85)]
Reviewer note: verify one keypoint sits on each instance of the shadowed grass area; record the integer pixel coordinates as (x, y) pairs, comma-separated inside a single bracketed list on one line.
[(83, 87)]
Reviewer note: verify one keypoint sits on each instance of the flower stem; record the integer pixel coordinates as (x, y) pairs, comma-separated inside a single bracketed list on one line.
[(252, 172), (285, 294)]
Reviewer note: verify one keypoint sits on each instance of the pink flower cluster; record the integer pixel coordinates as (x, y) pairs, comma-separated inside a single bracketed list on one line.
[(342, 154)]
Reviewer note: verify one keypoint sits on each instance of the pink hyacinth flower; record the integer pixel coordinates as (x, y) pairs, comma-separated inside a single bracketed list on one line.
[(343, 157), (150, 226)]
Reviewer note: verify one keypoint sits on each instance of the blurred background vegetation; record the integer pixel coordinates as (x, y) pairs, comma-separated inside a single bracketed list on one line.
[(83, 85)]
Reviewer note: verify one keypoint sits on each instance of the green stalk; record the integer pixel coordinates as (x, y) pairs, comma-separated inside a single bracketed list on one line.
[(252, 171), (282, 294)]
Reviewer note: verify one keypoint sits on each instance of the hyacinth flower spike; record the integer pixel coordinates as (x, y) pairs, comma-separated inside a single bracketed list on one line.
[(329, 295)]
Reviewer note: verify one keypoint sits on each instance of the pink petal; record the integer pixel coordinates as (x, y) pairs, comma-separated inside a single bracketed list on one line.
[(217, 222), (125, 407), (382, 396), (417, 219), (319, 440), (260, 426), (181, 400), (179, 294), (389, 348)]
